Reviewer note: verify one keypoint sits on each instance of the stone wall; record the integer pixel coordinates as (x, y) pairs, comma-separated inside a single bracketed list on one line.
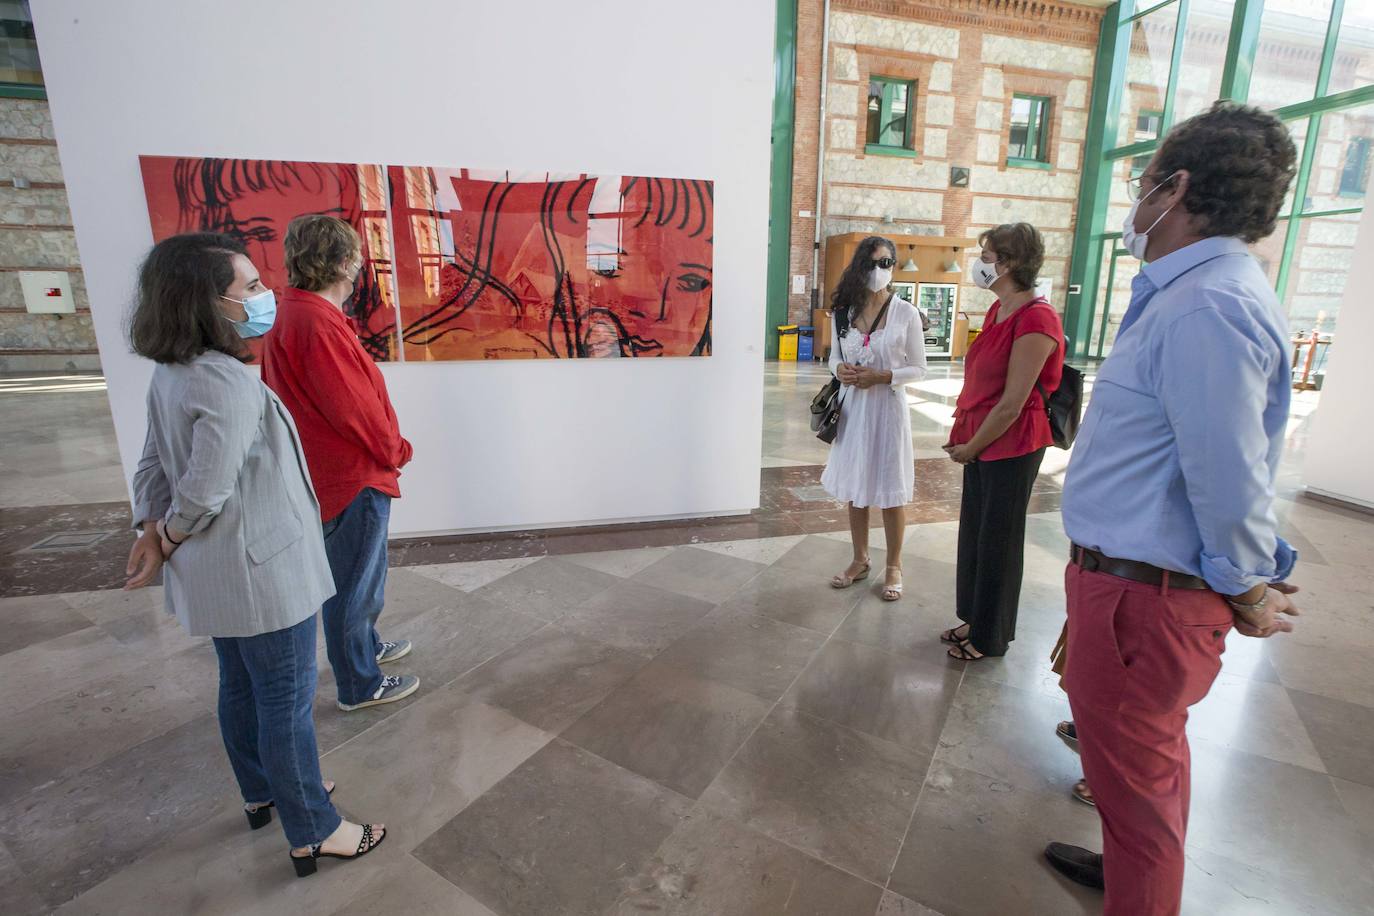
[(36, 234), (967, 58)]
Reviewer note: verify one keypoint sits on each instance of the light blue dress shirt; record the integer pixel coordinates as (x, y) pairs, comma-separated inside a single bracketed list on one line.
[(1175, 461)]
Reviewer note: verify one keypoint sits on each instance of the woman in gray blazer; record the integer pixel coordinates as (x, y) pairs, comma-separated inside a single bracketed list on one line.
[(226, 509)]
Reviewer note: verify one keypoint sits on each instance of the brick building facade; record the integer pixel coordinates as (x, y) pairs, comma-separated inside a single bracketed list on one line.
[(967, 60)]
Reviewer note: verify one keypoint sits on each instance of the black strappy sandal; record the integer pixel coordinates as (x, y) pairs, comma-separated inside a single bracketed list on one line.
[(305, 865), (964, 655), (261, 815), (948, 635)]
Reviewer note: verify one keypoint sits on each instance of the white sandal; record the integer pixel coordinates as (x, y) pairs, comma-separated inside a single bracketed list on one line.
[(892, 592), (843, 581)]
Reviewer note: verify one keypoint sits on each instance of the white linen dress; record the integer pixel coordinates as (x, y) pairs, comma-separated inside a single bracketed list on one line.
[(871, 460)]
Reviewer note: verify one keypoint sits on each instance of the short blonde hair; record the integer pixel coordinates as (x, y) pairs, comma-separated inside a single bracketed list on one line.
[(315, 247)]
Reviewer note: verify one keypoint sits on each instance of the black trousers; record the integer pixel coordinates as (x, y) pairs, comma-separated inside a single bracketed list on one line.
[(992, 542)]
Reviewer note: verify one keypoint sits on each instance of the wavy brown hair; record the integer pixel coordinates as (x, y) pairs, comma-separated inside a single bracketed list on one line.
[(1021, 246), (1240, 161), (315, 247), (177, 316), (852, 291)]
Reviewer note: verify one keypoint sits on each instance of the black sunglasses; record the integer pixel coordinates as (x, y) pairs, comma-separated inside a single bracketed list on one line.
[(884, 263)]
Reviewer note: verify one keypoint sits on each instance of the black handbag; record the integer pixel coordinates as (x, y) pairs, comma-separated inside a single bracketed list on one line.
[(1064, 405)]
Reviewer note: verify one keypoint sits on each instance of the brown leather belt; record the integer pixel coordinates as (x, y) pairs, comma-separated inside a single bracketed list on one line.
[(1094, 561)]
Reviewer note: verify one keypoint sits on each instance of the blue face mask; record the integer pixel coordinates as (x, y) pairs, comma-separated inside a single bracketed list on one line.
[(262, 311)]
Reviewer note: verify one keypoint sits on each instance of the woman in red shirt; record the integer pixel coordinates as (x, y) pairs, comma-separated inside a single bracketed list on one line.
[(1000, 434)]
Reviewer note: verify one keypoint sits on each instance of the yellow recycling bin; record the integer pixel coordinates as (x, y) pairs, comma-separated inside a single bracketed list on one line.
[(787, 342)]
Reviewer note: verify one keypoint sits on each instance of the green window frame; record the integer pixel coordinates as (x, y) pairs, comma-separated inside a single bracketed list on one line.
[(16, 37), (1031, 149), (889, 121), (1104, 149), (1355, 171)]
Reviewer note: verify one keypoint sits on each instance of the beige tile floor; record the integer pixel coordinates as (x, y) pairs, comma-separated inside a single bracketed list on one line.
[(685, 730)]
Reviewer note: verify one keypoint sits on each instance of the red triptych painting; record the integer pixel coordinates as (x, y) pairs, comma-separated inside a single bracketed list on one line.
[(474, 264)]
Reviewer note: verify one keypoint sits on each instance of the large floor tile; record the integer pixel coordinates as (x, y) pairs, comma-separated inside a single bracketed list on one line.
[(821, 557), (897, 905), (792, 596), (699, 574), (898, 699), (842, 796), (412, 888), (409, 594), (1217, 886), (1258, 811), (72, 661), (449, 641), (68, 733), (547, 589), (1341, 671), (1260, 718), (562, 834), (759, 550), (670, 726), (756, 654), (1342, 733), (636, 617), (550, 678), (622, 563), (417, 769), (911, 626), (15, 890), (471, 576), (976, 845), (1358, 801), (77, 831), (25, 621), (1008, 735), (713, 866)]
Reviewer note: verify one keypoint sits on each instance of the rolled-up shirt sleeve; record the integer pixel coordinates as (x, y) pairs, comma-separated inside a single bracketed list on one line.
[(1214, 383), (152, 492), (912, 354), (225, 415)]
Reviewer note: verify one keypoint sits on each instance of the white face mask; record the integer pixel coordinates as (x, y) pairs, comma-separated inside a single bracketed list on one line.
[(879, 278), (984, 274), (1137, 243)]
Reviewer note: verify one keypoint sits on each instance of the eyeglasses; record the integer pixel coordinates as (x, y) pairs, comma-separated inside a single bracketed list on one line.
[(884, 263), (1135, 186)]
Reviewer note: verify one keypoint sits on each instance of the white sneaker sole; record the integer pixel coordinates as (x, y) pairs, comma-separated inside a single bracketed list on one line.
[(382, 700)]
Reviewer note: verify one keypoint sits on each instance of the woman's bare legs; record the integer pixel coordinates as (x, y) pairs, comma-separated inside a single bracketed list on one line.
[(858, 535), (894, 524)]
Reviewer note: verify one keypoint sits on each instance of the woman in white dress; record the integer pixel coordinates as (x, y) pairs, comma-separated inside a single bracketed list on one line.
[(879, 350)]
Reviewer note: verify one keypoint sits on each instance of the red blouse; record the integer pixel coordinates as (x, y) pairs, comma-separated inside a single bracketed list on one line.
[(985, 377)]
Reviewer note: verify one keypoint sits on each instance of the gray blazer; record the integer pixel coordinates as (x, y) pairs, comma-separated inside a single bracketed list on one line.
[(222, 465)]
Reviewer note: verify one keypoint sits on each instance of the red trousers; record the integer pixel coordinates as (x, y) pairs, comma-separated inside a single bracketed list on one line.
[(1138, 656)]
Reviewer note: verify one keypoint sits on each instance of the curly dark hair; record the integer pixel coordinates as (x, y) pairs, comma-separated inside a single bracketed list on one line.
[(1240, 161), (852, 291), (1021, 246), (177, 315)]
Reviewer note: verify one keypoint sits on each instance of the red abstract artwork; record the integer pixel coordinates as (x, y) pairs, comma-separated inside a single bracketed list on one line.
[(472, 264)]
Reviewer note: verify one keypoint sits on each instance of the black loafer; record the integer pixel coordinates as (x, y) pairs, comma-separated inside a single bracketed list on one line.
[(1076, 863)]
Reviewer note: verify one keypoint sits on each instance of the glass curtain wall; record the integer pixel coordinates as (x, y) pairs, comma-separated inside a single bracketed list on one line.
[(1311, 62)]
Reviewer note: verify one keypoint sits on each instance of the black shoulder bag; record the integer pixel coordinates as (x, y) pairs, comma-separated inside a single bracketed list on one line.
[(1064, 405)]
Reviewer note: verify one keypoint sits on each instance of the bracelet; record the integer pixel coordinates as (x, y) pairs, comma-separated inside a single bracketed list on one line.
[(165, 532), (1250, 608)]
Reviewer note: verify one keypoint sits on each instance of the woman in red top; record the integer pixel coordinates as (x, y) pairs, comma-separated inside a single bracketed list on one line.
[(1000, 434)]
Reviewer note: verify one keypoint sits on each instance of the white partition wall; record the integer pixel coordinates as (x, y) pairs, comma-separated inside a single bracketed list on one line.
[(615, 87), (1340, 451)]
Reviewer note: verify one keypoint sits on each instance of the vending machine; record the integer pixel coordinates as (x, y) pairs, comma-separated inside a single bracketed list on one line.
[(939, 302)]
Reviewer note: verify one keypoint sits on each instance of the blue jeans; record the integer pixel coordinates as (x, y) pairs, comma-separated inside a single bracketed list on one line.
[(266, 700), (355, 542)]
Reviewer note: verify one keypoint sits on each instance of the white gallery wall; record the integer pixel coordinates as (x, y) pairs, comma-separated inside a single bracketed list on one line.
[(1340, 450), (615, 87)]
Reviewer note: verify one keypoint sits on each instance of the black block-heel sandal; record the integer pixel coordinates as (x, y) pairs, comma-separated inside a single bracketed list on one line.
[(305, 865), (261, 816)]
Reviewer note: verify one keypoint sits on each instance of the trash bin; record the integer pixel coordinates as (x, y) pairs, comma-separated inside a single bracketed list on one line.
[(806, 342), (787, 342)]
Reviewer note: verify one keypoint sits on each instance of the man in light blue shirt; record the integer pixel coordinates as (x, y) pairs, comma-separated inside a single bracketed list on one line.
[(1169, 495)]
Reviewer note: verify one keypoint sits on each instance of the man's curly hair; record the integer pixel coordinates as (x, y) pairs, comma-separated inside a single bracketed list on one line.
[(1240, 161)]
